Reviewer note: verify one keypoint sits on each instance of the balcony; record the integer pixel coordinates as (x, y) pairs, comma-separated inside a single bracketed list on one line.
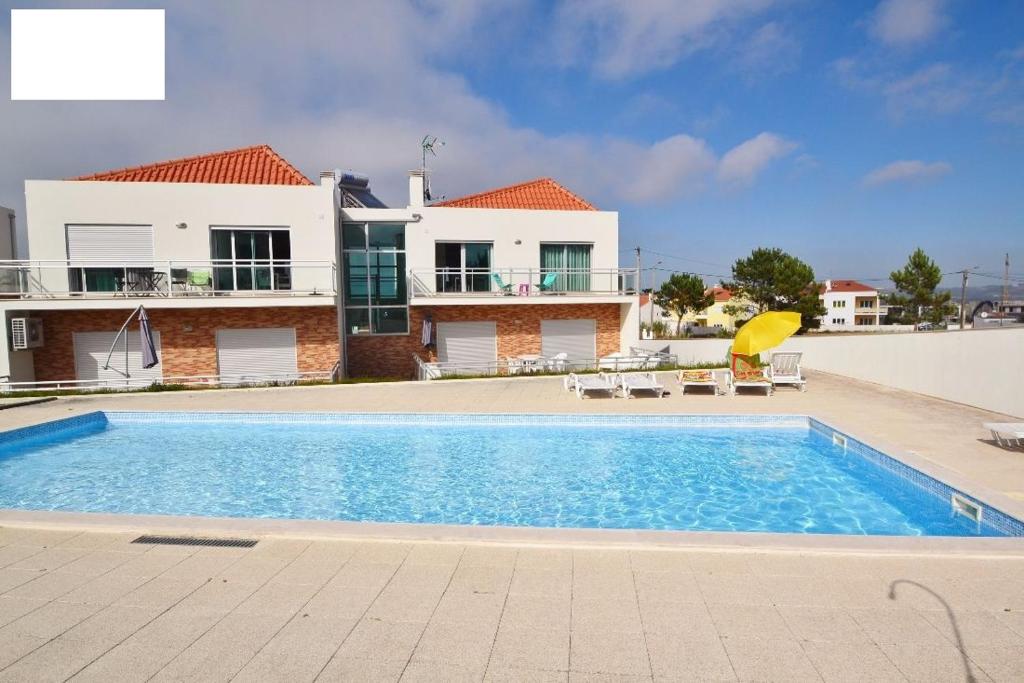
[(97, 279), (531, 283)]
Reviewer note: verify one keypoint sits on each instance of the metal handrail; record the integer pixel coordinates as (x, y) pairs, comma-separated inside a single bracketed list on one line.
[(52, 278), (429, 282), (427, 370), (187, 380)]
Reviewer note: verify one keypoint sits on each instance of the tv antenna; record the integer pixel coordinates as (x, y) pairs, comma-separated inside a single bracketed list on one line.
[(427, 144)]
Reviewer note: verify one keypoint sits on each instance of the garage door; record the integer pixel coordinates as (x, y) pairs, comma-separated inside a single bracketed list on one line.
[(577, 338), (472, 347), (92, 348), (257, 355)]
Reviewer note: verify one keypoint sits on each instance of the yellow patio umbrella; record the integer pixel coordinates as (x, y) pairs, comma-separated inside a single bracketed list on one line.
[(765, 331)]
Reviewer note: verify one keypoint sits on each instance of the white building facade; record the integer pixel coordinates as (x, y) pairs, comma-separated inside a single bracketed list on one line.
[(237, 259), (850, 305)]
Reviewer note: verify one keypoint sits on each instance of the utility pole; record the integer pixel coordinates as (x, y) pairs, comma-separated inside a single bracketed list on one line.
[(639, 290), (1006, 288), (653, 269), (963, 297)]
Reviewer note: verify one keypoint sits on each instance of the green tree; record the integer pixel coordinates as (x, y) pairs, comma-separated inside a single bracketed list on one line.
[(773, 280), (682, 293), (915, 290)]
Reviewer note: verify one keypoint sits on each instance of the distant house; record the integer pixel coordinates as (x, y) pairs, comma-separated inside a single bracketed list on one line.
[(714, 316), (849, 303)]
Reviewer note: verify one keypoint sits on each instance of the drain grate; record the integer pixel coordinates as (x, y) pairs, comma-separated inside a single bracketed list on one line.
[(193, 540)]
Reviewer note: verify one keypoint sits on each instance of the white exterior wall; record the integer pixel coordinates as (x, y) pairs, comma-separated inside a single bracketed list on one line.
[(982, 368), (307, 211), (502, 227)]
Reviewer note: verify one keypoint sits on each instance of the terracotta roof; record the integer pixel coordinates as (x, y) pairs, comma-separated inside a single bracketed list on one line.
[(721, 293), (257, 165), (542, 193), (846, 286)]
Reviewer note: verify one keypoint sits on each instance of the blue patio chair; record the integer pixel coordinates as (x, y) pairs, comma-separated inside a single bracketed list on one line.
[(502, 287), (549, 282)]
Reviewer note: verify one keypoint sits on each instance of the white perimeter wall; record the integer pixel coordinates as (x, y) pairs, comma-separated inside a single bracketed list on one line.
[(307, 211), (982, 368)]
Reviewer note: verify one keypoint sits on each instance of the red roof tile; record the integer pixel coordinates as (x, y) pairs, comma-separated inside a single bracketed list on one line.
[(721, 293), (847, 286), (257, 165), (543, 193)]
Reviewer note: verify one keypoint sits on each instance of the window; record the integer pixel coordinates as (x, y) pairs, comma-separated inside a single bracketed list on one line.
[(839, 303), (251, 259), (373, 260), (570, 263), (463, 266)]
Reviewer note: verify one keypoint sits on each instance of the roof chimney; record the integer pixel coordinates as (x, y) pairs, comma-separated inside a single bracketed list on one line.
[(416, 188), (328, 178), (828, 285)]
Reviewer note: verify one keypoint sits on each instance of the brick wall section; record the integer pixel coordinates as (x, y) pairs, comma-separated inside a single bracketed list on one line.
[(188, 336), (518, 328)]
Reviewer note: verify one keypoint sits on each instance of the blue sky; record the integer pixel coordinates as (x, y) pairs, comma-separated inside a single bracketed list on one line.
[(847, 133)]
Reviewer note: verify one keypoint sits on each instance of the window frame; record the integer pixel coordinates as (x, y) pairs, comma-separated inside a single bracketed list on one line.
[(369, 307), (253, 263)]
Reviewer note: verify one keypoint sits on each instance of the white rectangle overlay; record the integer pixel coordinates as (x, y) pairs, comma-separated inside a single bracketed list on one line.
[(87, 54)]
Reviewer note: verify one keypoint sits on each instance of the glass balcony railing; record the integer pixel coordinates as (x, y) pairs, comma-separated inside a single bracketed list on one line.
[(38, 279), (495, 282)]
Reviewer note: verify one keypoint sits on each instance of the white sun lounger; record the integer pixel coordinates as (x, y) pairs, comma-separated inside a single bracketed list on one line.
[(1007, 434), (693, 378), (581, 384), (785, 369), (629, 382)]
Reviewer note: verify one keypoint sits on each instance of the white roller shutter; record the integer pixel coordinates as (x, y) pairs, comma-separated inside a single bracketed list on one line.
[(91, 349), (578, 338), (116, 244), (257, 355), (473, 344)]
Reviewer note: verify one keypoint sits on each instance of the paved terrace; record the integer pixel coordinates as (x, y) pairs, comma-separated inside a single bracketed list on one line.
[(93, 606)]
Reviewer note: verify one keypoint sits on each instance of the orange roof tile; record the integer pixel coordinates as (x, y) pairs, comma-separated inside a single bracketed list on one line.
[(257, 165), (542, 193), (721, 293), (847, 286)]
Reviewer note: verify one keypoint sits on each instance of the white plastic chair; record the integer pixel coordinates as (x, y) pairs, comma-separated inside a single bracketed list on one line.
[(785, 369)]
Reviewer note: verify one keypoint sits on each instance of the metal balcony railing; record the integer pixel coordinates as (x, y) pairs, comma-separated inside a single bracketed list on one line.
[(56, 279), (495, 282)]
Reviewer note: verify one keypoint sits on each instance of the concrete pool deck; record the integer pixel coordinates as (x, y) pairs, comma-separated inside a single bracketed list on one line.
[(93, 606)]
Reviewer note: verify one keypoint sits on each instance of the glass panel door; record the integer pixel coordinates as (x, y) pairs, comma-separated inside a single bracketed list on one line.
[(477, 260), (572, 264), (448, 263)]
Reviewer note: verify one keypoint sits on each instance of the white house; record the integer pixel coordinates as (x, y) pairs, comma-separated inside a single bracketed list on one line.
[(849, 304), (235, 256)]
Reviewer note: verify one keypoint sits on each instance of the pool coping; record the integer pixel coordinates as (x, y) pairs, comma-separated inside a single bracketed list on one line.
[(646, 538)]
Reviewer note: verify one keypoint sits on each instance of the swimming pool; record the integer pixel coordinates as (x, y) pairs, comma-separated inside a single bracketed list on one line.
[(707, 473)]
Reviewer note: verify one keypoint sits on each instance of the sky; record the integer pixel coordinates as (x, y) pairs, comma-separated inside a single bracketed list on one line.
[(847, 133)]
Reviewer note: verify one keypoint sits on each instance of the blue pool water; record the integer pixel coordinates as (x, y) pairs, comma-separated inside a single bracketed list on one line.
[(623, 476)]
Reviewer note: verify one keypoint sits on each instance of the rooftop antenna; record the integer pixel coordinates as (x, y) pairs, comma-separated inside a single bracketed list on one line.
[(427, 144)]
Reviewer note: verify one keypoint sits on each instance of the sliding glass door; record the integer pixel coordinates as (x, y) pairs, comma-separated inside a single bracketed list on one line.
[(250, 259), (571, 262), (463, 266)]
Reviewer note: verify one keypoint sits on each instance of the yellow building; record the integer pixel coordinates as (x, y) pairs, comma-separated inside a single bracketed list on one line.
[(713, 316)]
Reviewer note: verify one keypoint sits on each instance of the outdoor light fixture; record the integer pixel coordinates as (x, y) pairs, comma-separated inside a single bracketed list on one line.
[(519, 241), (182, 226)]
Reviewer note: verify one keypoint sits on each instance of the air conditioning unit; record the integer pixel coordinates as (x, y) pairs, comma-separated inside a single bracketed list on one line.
[(26, 333)]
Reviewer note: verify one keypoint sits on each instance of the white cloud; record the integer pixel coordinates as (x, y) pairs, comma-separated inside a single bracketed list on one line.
[(741, 165), (771, 50), (328, 85), (936, 88), (907, 171), (624, 39), (901, 23)]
